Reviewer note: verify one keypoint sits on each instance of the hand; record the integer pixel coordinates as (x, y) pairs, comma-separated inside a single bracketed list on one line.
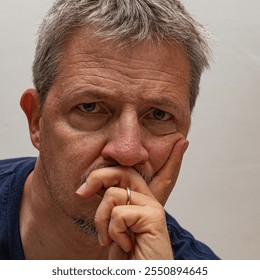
[(136, 231), (167, 176)]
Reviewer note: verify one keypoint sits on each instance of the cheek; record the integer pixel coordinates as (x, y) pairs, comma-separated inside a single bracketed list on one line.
[(69, 152), (160, 150)]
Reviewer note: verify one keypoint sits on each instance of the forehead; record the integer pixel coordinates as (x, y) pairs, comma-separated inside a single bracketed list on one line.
[(165, 54), (146, 67)]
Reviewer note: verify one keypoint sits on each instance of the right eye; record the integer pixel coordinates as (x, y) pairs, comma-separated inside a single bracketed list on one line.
[(91, 107)]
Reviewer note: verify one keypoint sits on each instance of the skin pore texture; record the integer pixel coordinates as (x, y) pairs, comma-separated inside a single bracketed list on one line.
[(115, 118)]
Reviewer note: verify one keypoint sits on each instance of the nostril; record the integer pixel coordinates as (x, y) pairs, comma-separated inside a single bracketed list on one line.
[(110, 159), (125, 154)]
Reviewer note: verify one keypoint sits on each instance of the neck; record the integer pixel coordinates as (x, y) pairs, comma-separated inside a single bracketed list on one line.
[(47, 233)]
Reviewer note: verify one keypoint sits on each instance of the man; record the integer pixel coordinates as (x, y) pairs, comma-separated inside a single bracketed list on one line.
[(115, 84)]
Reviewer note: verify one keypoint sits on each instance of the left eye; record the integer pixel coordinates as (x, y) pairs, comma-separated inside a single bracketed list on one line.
[(160, 115), (92, 107)]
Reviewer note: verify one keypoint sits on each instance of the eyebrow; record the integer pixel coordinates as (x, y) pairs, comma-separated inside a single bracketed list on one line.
[(96, 92), (91, 91), (163, 101)]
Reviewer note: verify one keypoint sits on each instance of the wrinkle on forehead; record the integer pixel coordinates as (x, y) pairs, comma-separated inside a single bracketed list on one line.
[(152, 70), (143, 55)]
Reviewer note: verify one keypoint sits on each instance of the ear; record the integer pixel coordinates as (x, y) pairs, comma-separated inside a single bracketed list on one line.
[(31, 107)]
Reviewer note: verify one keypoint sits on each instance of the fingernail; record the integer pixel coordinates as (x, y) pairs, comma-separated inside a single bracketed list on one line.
[(100, 241), (81, 189)]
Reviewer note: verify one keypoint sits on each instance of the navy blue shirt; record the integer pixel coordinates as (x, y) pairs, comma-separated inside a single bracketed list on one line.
[(13, 173)]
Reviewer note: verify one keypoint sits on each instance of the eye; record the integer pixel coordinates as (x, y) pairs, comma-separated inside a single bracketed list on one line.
[(159, 122), (160, 115), (91, 107)]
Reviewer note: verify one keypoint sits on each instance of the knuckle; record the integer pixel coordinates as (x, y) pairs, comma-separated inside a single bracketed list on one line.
[(160, 212), (98, 220), (157, 212), (110, 193), (117, 213)]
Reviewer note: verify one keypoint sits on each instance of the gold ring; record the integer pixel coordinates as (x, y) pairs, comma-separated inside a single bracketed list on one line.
[(128, 202)]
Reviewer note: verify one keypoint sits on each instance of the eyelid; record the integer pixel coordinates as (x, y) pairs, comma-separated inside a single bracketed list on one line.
[(99, 108), (149, 114)]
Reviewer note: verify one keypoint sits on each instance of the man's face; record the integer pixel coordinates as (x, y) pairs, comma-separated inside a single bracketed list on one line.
[(110, 106)]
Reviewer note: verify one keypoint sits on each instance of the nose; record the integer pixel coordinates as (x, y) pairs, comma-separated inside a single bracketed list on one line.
[(126, 144)]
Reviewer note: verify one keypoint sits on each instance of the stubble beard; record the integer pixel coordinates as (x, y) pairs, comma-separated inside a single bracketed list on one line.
[(84, 223)]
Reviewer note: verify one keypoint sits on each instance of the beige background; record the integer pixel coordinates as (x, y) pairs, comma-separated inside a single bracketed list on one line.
[(217, 195)]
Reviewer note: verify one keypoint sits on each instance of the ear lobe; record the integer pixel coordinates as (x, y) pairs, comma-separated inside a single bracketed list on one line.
[(31, 107)]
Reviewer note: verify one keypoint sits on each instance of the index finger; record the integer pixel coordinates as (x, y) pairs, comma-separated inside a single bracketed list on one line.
[(118, 176)]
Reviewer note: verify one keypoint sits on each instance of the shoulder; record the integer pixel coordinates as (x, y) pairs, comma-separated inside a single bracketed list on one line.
[(14, 171), (185, 246), (8, 166)]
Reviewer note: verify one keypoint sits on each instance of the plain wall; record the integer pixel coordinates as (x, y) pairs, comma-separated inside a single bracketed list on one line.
[(217, 194)]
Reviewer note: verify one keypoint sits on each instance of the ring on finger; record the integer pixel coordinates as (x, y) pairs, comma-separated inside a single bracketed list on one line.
[(128, 202)]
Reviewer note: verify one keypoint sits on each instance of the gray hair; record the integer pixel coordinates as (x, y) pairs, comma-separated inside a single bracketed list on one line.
[(127, 21)]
